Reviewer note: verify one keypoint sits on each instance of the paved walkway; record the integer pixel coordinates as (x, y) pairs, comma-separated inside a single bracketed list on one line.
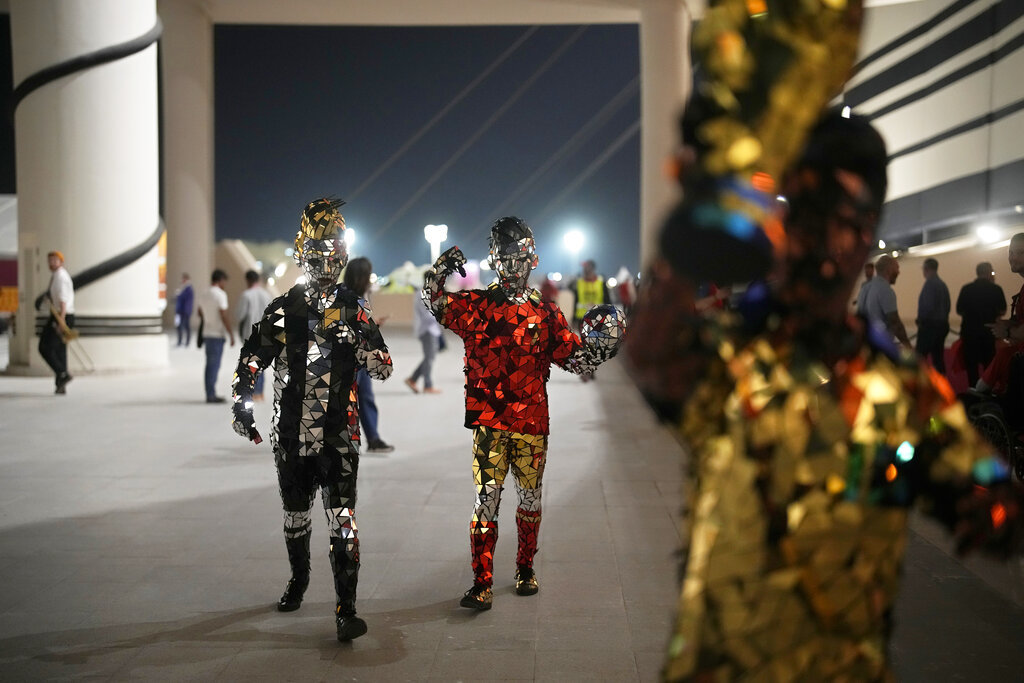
[(139, 537)]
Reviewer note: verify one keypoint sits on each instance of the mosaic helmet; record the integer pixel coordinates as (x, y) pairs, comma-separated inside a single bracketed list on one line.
[(320, 248), (602, 330), (513, 254)]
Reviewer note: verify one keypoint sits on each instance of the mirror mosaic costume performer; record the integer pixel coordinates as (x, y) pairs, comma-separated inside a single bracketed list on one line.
[(315, 336), (810, 436), (511, 338)]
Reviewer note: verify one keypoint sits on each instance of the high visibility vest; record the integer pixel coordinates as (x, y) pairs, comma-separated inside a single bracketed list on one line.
[(588, 295)]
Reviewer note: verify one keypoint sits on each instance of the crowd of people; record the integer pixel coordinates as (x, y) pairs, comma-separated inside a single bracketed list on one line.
[(985, 344)]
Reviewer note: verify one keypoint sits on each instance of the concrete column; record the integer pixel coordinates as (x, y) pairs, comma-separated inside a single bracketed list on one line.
[(87, 155), (665, 85), (187, 70)]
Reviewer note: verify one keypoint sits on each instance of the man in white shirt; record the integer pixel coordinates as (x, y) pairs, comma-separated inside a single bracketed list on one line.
[(52, 346), (877, 300), (213, 326), (251, 305)]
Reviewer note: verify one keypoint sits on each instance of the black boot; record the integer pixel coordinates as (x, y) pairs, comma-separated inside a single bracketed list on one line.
[(349, 626), (298, 558), (345, 563)]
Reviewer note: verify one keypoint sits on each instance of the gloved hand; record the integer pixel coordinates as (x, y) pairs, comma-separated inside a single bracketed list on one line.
[(242, 422), (450, 261)]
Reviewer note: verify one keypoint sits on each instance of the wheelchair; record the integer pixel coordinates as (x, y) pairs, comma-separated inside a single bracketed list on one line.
[(1000, 419)]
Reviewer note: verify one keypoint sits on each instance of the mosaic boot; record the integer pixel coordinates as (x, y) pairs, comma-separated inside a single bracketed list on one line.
[(482, 538), (345, 563), (298, 558), (528, 525)]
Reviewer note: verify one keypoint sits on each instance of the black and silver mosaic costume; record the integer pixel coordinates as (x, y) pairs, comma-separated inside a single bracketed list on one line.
[(315, 337)]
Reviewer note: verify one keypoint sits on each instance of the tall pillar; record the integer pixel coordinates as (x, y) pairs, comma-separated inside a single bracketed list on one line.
[(187, 70), (87, 176), (664, 87)]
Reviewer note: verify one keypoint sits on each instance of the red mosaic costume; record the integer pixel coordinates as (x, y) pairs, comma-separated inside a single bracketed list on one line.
[(509, 351), (510, 347), (512, 337)]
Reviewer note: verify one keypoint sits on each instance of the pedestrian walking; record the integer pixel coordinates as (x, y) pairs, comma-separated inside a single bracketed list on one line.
[(425, 328)]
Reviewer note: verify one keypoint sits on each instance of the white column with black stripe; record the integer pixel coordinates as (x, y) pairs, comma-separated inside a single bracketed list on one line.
[(88, 174)]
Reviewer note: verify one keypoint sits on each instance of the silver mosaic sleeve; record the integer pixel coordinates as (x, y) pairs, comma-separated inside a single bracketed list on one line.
[(258, 352)]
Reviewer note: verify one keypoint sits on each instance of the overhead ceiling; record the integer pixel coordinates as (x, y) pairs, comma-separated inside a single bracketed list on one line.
[(423, 12)]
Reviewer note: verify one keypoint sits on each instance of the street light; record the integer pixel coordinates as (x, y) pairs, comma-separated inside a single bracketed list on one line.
[(987, 233), (435, 234), (350, 238), (573, 242)]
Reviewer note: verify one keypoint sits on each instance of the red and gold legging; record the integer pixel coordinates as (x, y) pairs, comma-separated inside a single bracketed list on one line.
[(494, 452)]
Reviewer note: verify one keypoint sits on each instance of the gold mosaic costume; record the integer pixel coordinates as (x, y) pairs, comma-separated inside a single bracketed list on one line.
[(802, 476), (807, 444)]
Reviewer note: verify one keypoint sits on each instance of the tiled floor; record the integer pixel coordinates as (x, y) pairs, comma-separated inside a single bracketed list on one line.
[(139, 537)]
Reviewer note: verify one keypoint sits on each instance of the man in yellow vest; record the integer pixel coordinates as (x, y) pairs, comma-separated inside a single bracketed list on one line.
[(588, 290)]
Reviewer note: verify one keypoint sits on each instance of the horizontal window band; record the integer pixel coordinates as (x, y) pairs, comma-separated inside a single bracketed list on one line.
[(913, 33), (972, 32), (106, 326), (966, 127), (949, 79), (947, 209)]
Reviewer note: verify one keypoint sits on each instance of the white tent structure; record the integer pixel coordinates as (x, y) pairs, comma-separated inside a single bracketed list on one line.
[(8, 227)]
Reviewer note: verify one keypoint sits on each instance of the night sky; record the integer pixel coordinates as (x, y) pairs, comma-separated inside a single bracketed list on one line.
[(539, 122), (308, 111)]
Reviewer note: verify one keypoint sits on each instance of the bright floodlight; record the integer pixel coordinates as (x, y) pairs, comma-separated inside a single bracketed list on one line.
[(573, 241), (350, 237), (612, 282), (555, 277), (279, 270), (987, 233), (435, 234)]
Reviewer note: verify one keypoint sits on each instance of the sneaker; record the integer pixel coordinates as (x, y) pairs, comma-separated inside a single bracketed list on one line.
[(478, 598), (350, 627), (379, 446), (526, 581), (216, 399), (412, 385)]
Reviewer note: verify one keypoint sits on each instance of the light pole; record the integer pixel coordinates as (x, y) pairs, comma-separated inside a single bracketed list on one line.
[(435, 234)]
